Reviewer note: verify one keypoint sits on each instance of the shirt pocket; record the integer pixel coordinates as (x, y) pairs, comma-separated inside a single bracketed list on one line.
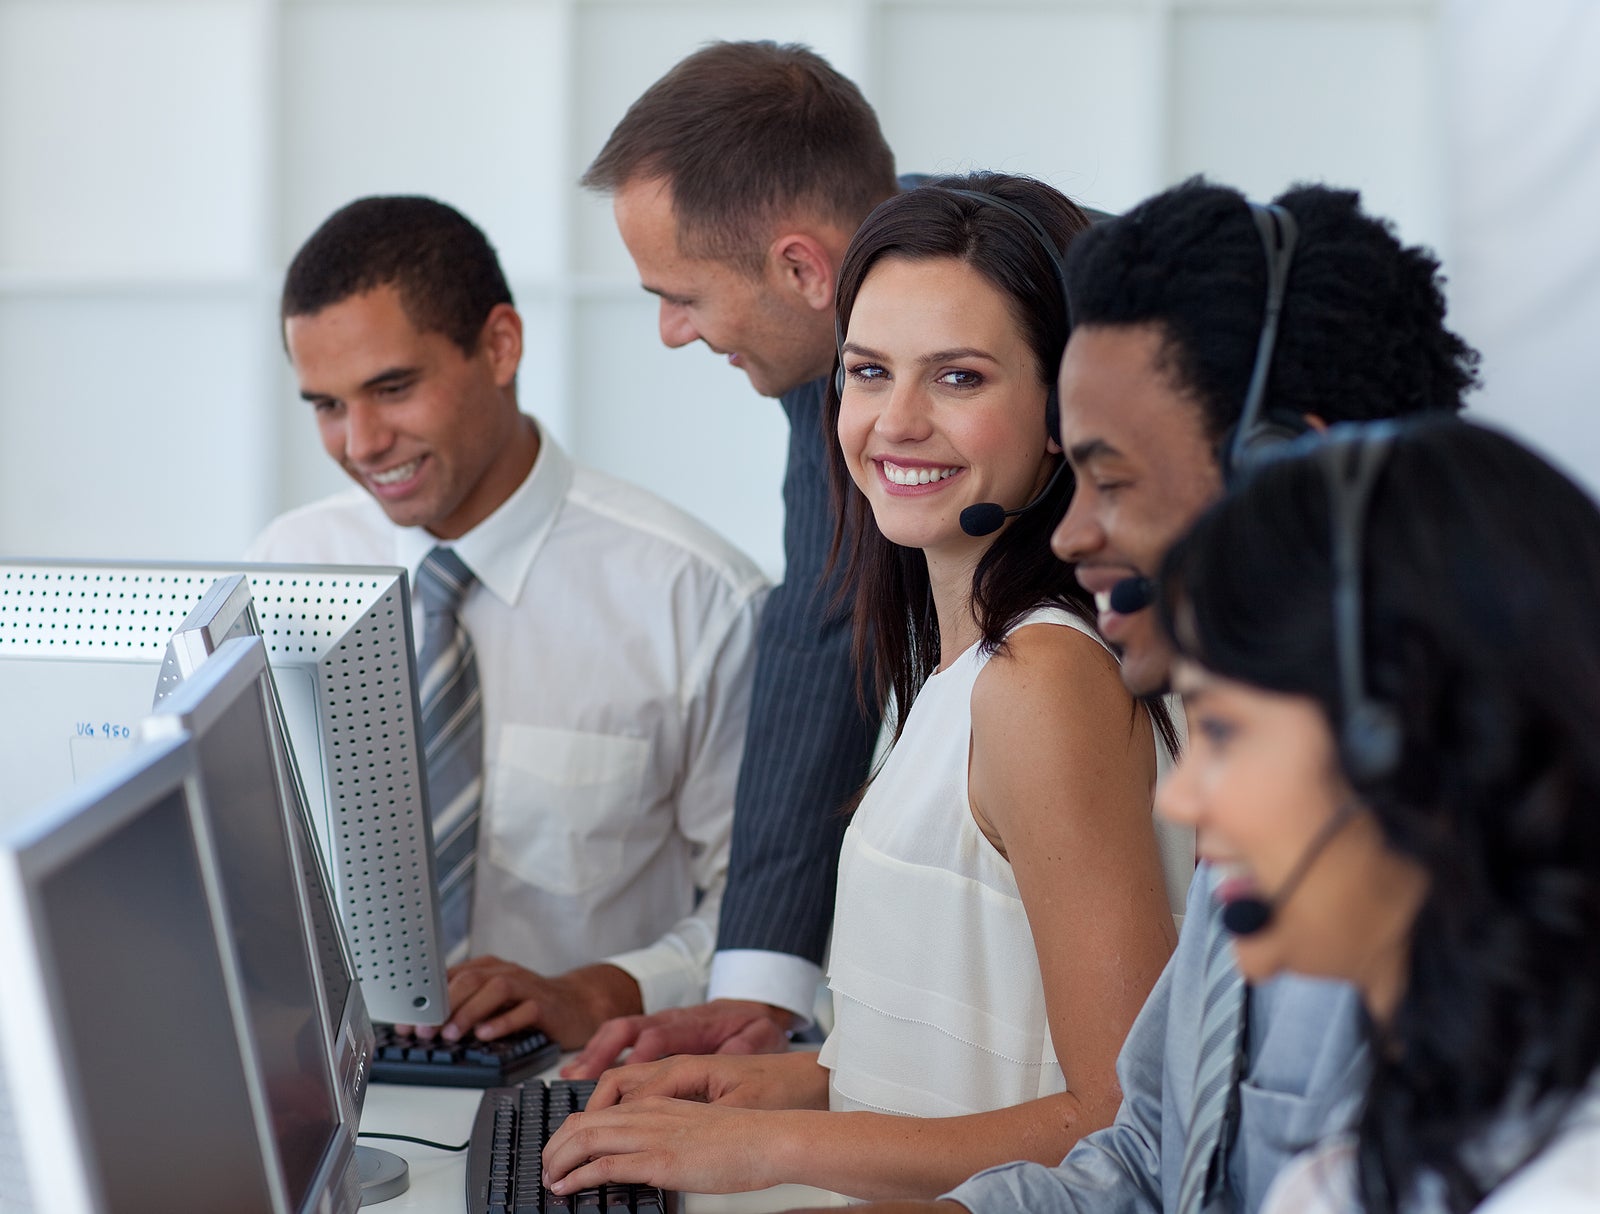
[(563, 804), (1275, 1125)]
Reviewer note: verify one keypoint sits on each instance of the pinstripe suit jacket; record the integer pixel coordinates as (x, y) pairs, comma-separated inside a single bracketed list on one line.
[(808, 744)]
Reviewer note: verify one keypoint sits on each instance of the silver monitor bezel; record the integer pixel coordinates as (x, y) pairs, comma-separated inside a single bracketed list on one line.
[(193, 708), (226, 611)]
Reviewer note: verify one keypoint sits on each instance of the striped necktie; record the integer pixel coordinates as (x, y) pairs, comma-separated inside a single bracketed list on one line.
[(452, 736), (1216, 1075)]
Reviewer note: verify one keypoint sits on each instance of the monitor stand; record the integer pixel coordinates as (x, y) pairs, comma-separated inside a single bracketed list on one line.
[(383, 1174)]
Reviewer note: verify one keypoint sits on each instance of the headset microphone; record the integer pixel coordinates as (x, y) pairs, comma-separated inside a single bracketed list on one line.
[(1132, 594), (985, 518), (1247, 916)]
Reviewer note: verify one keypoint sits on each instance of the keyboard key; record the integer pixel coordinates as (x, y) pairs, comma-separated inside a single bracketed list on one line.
[(532, 1112), (470, 1063)]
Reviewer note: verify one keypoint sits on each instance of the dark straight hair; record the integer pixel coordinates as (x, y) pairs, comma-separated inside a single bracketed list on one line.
[(1481, 588), (896, 635)]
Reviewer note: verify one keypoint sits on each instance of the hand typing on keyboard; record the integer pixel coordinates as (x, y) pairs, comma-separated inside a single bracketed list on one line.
[(764, 1081), (676, 1144), (679, 1124), (504, 1165), (490, 998)]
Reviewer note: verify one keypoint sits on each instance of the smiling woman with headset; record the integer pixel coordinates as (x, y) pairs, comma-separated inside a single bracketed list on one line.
[(1001, 911), (1388, 651)]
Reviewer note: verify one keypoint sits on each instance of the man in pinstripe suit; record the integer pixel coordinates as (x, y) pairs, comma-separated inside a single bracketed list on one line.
[(737, 181)]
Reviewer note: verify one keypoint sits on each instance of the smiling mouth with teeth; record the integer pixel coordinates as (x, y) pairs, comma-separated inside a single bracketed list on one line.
[(394, 476), (897, 475)]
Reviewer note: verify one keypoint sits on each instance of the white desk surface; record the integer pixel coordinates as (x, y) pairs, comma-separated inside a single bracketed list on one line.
[(439, 1178)]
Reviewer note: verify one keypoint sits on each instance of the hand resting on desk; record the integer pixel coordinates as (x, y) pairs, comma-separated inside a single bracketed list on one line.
[(765, 1081), (490, 998), (723, 1026)]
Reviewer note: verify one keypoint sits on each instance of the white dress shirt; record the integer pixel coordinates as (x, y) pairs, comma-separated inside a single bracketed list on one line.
[(615, 641)]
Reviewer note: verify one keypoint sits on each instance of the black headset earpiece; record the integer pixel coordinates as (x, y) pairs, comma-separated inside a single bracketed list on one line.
[(1052, 404), (1260, 430), (1370, 735)]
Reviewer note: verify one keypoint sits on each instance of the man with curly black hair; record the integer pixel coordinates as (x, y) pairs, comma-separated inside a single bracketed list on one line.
[(1167, 305)]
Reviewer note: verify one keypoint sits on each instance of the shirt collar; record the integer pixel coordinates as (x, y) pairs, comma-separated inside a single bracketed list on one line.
[(500, 550)]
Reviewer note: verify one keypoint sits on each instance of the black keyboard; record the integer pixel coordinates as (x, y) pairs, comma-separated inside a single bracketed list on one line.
[(468, 1063), (504, 1156)]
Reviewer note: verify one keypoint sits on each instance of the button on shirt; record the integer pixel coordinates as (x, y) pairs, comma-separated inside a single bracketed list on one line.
[(615, 639)]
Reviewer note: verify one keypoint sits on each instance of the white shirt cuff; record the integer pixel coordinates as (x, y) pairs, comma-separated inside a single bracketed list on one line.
[(780, 979), (665, 978)]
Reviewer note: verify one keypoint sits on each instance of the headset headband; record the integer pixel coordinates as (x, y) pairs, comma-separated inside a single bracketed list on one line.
[(1279, 232), (1351, 460)]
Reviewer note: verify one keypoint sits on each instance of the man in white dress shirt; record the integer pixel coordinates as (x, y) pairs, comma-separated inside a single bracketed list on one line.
[(613, 635)]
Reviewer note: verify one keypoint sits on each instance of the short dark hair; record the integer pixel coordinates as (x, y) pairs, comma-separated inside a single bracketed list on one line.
[(1362, 331), (747, 134), (442, 264), (1480, 588)]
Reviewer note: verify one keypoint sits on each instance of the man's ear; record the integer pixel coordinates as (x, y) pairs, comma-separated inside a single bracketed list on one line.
[(501, 341), (800, 263)]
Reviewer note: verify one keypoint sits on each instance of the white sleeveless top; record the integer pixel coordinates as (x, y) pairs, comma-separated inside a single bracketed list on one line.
[(938, 1003)]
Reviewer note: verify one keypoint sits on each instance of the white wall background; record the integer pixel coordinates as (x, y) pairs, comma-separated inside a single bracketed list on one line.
[(160, 160)]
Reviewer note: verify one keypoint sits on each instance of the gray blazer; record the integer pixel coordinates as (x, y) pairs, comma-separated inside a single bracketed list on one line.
[(1305, 1077)]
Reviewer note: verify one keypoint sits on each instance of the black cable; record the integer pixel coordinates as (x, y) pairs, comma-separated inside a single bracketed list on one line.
[(422, 1142)]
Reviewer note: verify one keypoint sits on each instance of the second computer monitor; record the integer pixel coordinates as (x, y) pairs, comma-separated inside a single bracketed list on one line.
[(82, 651), (299, 986)]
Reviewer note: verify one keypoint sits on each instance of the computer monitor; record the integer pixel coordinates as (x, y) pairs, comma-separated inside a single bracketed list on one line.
[(299, 981), (268, 767), (130, 1082), (84, 647)]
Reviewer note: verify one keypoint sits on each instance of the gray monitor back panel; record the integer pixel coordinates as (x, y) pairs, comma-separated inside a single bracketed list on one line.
[(81, 652)]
